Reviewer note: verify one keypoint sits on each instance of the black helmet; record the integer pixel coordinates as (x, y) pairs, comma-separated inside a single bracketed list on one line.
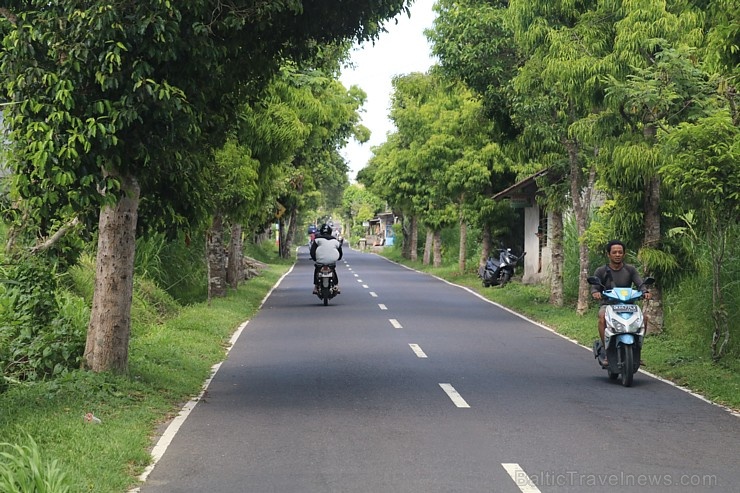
[(325, 230)]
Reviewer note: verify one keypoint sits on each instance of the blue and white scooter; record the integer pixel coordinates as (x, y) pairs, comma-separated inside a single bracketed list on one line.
[(625, 329)]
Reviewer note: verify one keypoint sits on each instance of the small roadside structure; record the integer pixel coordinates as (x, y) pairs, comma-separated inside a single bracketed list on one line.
[(536, 227), (379, 231)]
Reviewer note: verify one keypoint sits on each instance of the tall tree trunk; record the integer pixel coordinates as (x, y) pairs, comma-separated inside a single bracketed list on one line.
[(406, 232), (651, 239), (291, 228), (428, 247), (437, 248), (461, 258), (106, 347), (235, 268), (557, 261), (581, 198), (485, 244), (281, 238), (414, 254), (216, 258)]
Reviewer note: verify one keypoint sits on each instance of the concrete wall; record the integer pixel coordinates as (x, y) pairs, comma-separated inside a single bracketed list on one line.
[(536, 263)]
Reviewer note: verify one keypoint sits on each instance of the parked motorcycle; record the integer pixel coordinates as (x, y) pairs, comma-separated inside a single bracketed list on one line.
[(499, 271), (327, 290), (624, 332)]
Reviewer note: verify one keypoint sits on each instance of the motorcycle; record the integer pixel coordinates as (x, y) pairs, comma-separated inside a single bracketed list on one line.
[(624, 332), (498, 272), (327, 290)]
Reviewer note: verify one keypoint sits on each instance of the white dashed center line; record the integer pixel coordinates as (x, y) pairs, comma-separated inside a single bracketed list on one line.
[(382, 306), (373, 294), (395, 323), (520, 478), (417, 350), (452, 394)]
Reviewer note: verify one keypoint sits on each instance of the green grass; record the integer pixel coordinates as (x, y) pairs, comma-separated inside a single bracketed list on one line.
[(680, 354), (169, 359), (173, 349)]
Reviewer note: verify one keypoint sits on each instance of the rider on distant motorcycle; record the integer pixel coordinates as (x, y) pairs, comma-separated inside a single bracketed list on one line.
[(615, 274), (325, 249)]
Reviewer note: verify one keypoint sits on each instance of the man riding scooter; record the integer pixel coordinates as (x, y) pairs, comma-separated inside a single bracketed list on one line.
[(325, 250), (614, 274)]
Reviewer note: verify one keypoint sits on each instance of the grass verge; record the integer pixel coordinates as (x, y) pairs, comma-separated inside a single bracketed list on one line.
[(169, 361)]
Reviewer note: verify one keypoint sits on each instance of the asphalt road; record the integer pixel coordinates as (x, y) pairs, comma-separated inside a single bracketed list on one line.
[(405, 383)]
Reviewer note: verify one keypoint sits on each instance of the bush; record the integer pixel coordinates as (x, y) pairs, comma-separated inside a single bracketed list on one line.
[(177, 266), (42, 330)]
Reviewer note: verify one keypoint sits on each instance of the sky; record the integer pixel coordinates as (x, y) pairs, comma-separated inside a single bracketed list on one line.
[(402, 50)]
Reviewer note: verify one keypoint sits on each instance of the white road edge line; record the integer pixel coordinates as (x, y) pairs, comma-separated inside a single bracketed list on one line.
[(169, 433), (454, 396), (520, 478), (395, 323), (417, 350), (553, 331)]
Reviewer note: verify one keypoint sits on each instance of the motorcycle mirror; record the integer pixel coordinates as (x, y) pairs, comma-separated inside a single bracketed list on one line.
[(649, 281), (593, 280)]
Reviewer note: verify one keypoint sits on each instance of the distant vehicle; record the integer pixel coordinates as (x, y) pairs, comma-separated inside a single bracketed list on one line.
[(499, 271)]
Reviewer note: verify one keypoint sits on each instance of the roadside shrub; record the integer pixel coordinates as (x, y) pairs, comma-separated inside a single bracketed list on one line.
[(80, 278), (36, 337), (176, 265)]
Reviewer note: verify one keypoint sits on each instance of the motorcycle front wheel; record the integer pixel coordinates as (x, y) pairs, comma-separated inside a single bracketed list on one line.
[(505, 278), (627, 366)]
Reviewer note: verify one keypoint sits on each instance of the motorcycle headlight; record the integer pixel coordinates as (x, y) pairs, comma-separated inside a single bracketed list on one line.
[(636, 325), (619, 327)]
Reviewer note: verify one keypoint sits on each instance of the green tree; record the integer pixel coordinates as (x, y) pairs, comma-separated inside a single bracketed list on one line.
[(109, 102), (319, 177), (474, 44), (359, 205), (655, 85), (702, 163), (556, 90)]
